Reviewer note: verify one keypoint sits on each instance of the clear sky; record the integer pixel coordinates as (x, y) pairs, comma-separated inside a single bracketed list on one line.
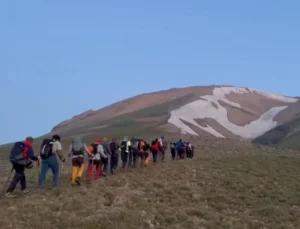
[(60, 58)]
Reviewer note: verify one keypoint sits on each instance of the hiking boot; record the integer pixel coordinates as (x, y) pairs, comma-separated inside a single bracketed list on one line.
[(25, 191), (78, 181), (9, 195)]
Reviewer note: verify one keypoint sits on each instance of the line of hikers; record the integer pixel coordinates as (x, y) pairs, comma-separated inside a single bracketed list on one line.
[(132, 150)]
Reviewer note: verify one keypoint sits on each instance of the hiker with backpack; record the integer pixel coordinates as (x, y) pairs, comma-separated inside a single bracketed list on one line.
[(105, 160), (173, 150), (154, 150), (113, 149), (50, 148), (162, 148), (20, 156), (189, 150), (126, 149), (180, 149), (76, 151), (144, 153), (135, 151), (97, 151)]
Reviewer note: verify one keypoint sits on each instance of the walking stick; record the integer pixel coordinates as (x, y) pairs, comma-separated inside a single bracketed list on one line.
[(6, 183)]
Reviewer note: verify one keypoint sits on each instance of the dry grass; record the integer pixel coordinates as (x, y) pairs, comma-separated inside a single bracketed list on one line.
[(228, 185)]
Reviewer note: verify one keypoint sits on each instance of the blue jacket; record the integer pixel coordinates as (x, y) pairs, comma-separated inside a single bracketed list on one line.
[(179, 145)]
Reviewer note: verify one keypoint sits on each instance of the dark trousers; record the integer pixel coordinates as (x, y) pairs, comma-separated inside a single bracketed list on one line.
[(19, 176), (173, 153), (154, 155), (104, 162), (135, 156), (180, 153), (114, 161), (124, 158), (189, 153), (162, 155)]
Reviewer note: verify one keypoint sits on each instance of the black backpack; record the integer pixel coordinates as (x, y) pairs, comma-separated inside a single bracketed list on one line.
[(47, 145), (17, 153)]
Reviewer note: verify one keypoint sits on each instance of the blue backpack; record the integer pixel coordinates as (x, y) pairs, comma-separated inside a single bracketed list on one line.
[(17, 153)]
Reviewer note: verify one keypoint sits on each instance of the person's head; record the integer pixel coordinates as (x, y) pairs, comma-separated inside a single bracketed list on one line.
[(105, 139), (98, 141), (180, 140), (29, 139), (56, 137), (156, 140)]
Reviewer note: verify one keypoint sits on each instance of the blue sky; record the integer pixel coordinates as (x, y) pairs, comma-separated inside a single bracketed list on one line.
[(60, 58)]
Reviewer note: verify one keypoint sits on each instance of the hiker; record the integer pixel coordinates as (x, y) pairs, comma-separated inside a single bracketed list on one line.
[(104, 160), (135, 146), (143, 153), (125, 151), (189, 150), (173, 150), (76, 151), (154, 150), (19, 157), (162, 148), (95, 150), (49, 149), (180, 149), (113, 149)]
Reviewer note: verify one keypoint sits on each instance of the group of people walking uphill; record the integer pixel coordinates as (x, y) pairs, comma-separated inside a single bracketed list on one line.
[(133, 153)]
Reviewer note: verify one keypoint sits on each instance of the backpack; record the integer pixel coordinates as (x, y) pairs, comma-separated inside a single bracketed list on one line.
[(17, 153), (47, 146), (95, 148), (155, 146), (77, 146)]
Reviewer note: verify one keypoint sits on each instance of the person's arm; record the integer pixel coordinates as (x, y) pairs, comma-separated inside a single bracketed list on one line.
[(70, 151), (87, 150), (59, 151), (109, 149), (100, 150), (31, 154)]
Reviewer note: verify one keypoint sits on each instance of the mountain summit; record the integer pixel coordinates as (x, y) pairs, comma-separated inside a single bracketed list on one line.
[(217, 111)]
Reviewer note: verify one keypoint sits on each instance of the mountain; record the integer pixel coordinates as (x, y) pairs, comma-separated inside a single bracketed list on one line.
[(286, 135), (215, 111)]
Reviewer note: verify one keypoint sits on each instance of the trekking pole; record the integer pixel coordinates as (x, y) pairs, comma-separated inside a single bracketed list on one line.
[(6, 183)]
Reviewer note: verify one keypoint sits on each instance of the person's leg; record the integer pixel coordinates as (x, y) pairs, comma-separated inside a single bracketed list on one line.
[(105, 165), (163, 155), (113, 163), (89, 171), (44, 170), (17, 177), (54, 165), (23, 181), (130, 158), (155, 154), (74, 169), (80, 170), (97, 164), (124, 159)]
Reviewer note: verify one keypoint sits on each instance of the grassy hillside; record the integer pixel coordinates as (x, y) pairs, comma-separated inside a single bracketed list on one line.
[(227, 185), (285, 135)]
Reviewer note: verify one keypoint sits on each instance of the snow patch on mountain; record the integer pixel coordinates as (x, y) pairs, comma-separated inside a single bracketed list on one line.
[(204, 108)]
